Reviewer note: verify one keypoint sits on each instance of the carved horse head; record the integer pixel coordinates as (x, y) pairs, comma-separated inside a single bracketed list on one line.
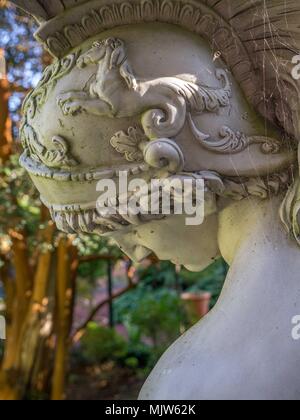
[(111, 53)]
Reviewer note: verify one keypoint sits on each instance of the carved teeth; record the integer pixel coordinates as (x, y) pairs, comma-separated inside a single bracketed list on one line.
[(61, 176)]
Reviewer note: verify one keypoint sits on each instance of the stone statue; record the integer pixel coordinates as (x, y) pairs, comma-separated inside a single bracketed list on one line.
[(184, 89)]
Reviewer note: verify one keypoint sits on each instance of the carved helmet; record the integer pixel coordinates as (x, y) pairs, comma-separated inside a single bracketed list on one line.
[(257, 41)]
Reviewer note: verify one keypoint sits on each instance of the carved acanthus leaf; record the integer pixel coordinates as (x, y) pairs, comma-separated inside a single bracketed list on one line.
[(232, 142), (262, 187), (130, 144)]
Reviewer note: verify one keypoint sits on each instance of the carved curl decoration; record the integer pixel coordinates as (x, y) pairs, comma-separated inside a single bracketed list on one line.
[(235, 142), (60, 155), (37, 98)]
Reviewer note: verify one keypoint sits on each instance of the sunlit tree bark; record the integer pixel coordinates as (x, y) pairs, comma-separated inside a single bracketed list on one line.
[(5, 121), (39, 315), (39, 293)]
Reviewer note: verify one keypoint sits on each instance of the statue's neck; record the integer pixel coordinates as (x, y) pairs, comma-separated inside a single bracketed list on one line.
[(243, 349), (264, 260)]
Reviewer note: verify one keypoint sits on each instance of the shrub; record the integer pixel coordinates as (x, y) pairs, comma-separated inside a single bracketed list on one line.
[(100, 344), (153, 318)]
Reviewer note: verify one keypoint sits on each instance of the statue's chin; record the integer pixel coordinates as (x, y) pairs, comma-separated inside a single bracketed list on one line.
[(196, 268)]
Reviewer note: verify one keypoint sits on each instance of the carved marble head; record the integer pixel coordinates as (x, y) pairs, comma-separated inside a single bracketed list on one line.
[(160, 89)]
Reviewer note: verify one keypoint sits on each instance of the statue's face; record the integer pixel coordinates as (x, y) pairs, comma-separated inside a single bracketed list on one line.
[(128, 102)]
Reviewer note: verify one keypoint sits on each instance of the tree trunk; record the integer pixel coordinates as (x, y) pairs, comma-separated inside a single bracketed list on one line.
[(64, 312), (5, 121), (39, 298), (18, 290), (39, 316)]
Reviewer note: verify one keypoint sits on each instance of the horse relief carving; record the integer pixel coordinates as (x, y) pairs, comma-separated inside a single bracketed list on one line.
[(165, 103)]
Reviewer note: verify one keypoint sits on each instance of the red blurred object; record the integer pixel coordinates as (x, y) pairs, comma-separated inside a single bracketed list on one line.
[(198, 303)]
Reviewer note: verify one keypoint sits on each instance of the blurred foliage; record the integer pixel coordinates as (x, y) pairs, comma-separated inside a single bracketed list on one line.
[(157, 275), (154, 314), (100, 344), (22, 52), (20, 207), (23, 55), (19, 203), (94, 245), (154, 318)]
